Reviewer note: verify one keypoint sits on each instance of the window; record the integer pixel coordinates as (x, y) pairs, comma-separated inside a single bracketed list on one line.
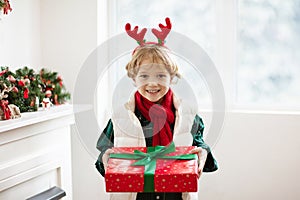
[(268, 68), (254, 44)]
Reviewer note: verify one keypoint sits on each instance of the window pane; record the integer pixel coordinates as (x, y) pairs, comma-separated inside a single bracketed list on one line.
[(195, 19), (268, 54)]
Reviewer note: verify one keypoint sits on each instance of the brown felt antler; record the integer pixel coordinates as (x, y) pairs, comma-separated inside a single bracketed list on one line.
[(139, 37), (165, 30)]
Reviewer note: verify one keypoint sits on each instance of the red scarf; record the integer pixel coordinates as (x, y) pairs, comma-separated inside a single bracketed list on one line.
[(161, 115)]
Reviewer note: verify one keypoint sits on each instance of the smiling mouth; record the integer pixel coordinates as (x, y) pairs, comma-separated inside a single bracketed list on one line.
[(152, 91)]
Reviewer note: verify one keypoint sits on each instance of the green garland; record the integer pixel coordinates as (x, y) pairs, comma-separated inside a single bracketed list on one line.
[(1, 5), (25, 85)]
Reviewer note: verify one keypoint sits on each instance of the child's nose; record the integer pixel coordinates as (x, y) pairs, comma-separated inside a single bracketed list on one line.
[(152, 80), (152, 83)]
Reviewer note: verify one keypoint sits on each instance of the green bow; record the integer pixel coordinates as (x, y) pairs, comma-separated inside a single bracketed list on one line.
[(149, 161)]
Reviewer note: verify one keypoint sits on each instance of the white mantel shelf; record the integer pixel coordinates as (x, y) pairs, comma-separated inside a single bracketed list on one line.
[(30, 118), (35, 153)]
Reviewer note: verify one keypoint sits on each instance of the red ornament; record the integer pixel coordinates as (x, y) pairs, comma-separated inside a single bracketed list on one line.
[(6, 7), (60, 81), (3, 72), (5, 108), (48, 93), (59, 78), (15, 89), (11, 79), (21, 83), (26, 91)]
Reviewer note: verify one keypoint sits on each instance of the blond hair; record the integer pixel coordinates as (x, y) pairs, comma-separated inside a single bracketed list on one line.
[(155, 53)]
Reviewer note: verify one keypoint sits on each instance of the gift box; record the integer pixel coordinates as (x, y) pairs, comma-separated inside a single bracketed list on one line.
[(152, 169)]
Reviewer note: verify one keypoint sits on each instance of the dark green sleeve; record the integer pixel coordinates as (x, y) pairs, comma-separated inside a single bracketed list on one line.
[(105, 141), (197, 132)]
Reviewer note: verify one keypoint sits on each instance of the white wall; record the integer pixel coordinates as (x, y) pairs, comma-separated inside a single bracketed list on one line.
[(259, 158), (68, 36), (20, 35)]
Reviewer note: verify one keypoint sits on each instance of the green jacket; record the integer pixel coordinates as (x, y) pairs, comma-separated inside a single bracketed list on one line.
[(106, 141)]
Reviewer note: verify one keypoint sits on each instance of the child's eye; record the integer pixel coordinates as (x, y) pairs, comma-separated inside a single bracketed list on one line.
[(143, 76), (161, 75)]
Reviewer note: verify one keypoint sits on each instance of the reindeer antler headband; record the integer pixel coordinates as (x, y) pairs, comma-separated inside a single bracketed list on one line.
[(160, 35)]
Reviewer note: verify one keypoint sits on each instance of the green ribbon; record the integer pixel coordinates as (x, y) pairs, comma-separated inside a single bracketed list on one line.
[(149, 161)]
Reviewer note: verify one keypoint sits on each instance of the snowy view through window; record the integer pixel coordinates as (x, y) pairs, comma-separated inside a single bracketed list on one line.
[(268, 56), (269, 52)]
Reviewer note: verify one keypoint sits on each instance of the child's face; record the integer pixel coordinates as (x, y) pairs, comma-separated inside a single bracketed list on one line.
[(152, 80)]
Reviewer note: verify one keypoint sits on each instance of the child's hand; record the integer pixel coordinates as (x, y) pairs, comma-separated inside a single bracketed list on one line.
[(202, 154), (105, 157)]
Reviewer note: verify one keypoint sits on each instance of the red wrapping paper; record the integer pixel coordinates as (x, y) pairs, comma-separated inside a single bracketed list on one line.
[(170, 175)]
